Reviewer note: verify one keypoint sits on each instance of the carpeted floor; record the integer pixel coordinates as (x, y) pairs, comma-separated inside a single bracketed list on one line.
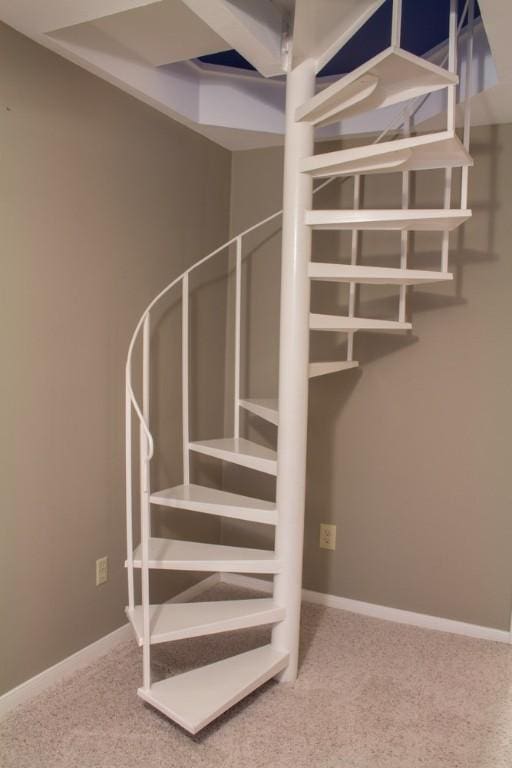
[(371, 694)]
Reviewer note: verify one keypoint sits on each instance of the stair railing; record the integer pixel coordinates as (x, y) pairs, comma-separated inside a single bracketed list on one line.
[(146, 441)]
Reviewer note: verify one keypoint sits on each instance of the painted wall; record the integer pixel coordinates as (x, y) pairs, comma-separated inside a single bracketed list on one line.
[(104, 201), (410, 454)]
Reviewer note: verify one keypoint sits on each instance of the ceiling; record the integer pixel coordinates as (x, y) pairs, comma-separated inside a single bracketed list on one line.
[(424, 27), (161, 52)]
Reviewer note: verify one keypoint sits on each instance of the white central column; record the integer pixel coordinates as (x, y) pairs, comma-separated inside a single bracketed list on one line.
[(293, 366)]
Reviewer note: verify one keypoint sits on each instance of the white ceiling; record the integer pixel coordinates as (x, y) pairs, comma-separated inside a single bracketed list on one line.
[(143, 47)]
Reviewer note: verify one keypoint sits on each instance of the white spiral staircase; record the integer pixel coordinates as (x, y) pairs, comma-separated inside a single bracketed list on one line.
[(195, 698)]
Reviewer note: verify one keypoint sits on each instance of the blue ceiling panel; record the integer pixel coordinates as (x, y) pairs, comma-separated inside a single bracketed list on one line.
[(424, 25)]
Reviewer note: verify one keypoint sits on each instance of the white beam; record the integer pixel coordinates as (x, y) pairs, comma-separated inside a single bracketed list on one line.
[(497, 18), (252, 27), (48, 15), (162, 33), (322, 27)]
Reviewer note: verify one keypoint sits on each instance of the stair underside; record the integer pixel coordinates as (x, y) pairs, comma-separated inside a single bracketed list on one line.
[(176, 621), (348, 324), (416, 153), (172, 554), (394, 75), (324, 368), (195, 698), (198, 498), (266, 408), (237, 450), (420, 220), (346, 273)]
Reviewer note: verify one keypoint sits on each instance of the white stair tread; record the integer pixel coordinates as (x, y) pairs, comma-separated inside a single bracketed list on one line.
[(323, 368), (195, 698), (436, 219), (239, 451), (416, 153), (199, 498), (394, 75), (266, 408), (176, 621), (173, 554), (343, 323), (347, 273)]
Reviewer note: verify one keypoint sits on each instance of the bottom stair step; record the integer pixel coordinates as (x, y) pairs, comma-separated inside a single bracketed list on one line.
[(195, 698), (176, 621)]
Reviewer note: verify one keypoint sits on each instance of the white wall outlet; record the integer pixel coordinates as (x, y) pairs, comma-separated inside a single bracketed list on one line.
[(101, 571), (327, 536)]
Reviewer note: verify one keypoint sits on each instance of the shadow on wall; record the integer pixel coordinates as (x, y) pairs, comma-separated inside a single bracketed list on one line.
[(331, 395)]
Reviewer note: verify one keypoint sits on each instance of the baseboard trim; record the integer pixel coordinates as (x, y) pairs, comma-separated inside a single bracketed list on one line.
[(397, 615), (82, 658)]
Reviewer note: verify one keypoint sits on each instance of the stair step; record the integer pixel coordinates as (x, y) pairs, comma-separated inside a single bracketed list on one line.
[(195, 698), (199, 498), (421, 220), (176, 555), (343, 323), (178, 621), (266, 408), (321, 369), (237, 450), (346, 273), (416, 153), (394, 75)]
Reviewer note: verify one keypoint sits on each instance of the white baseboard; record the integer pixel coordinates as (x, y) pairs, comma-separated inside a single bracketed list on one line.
[(379, 611), (49, 677), (90, 653), (62, 669)]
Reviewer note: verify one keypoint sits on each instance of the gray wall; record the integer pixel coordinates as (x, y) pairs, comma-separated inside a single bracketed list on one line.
[(104, 201), (409, 455)]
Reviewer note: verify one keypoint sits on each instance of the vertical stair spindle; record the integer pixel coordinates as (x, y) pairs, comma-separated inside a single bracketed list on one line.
[(470, 32), (452, 102), (238, 302), (129, 497), (145, 506), (404, 235), (185, 375), (352, 296), (396, 24)]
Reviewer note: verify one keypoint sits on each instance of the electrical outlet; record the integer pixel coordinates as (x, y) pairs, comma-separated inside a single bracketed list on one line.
[(101, 571), (327, 536)]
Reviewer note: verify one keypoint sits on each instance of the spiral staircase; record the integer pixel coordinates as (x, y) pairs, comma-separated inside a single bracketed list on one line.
[(195, 698)]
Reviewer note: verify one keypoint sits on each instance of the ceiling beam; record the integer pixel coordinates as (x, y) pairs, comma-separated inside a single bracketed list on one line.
[(252, 27), (497, 18), (321, 28), (50, 15)]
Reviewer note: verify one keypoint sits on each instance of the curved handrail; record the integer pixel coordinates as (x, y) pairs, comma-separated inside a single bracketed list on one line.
[(407, 111)]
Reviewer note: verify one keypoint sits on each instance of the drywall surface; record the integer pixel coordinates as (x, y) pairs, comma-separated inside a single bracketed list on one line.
[(104, 201), (410, 454)]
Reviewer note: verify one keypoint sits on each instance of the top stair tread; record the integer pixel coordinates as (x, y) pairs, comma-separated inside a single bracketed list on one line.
[(394, 75), (238, 450), (414, 153), (193, 699)]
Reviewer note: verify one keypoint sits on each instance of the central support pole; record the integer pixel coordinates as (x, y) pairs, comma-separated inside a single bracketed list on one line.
[(293, 366)]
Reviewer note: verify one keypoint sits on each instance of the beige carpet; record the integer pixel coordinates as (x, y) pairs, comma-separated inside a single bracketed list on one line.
[(371, 694)]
